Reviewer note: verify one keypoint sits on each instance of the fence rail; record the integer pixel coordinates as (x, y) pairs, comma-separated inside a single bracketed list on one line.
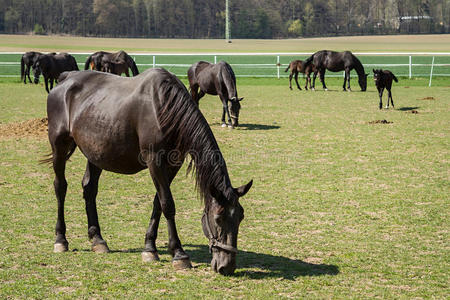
[(417, 64)]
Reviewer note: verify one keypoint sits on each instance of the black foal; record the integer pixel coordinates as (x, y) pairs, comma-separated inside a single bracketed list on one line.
[(383, 79)]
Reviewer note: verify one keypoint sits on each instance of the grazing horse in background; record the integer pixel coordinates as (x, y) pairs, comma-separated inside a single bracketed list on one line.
[(335, 62), (128, 125), (383, 79), (117, 67), (51, 66), (216, 79), (26, 62), (102, 61), (295, 67)]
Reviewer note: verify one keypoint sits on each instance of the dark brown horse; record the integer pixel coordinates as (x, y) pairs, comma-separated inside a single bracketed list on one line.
[(126, 125), (335, 62), (26, 62), (117, 67), (295, 67), (51, 66), (383, 80), (216, 79), (104, 61)]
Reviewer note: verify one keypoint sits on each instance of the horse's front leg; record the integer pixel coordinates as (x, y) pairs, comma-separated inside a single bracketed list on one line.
[(347, 80), (314, 82), (46, 84), (322, 79), (380, 94), (90, 189), (150, 252), (160, 176)]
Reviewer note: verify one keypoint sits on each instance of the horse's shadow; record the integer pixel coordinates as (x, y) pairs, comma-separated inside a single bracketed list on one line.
[(266, 265), (257, 127), (408, 108), (270, 266)]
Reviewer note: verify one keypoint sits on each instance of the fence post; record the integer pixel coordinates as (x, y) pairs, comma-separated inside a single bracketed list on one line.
[(154, 61), (278, 67), (410, 66), (431, 71), (215, 59)]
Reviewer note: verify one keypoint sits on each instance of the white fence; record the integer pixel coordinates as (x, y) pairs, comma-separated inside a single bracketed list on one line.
[(417, 64)]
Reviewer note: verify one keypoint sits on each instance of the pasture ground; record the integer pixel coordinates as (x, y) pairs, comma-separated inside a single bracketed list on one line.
[(341, 207), (394, 43)]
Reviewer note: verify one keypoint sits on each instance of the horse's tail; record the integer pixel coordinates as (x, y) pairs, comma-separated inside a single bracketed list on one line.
[(49, 157), (22, 68), (131, 63), (88, 62), (395, 78), (288, 67), (73, 61)]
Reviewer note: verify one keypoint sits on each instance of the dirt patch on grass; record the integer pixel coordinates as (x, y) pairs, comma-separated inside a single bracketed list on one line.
[(34, 128), (427, 98), (381, 122), (413, 111)]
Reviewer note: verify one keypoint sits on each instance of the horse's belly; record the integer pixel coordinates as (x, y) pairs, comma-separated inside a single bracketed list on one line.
[(110, 150)]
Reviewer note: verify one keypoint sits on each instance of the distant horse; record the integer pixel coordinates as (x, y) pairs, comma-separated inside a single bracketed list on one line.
[(383, 79), (335, 62), (128, 125), (51, 66), (216, 79), (295, 67), (97, 61), (117, 67), (26, 62)]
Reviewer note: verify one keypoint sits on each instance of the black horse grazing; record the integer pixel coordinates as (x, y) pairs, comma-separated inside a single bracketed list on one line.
[(51, 66), (295, 67), (26, 62), (126, 125), (116, 63), (383, 79), (335, 62), (216, 79)]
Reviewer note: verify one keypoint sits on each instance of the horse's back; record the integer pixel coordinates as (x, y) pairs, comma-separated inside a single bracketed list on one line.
[(109, 115)]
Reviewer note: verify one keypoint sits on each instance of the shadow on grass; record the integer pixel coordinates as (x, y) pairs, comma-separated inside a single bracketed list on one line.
[(271, 266), (257, 127), (408, 108)]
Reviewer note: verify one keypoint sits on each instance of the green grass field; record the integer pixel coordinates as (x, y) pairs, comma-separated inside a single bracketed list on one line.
[(341, 207)]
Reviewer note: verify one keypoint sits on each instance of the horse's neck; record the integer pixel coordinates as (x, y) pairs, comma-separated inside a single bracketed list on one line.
[(358, 67)]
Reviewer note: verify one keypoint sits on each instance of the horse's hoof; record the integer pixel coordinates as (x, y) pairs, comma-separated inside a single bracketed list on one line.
[(181, 264), (148, 256), (59, 247), (325, 90), (100, 248), (224, 125), (231, 126)]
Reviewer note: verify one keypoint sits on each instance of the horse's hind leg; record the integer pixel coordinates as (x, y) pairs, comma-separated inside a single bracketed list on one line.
[(90, 189), (150, 252), (60, 149), (296, 81), (27, 74), (390, 96), (290, 81)]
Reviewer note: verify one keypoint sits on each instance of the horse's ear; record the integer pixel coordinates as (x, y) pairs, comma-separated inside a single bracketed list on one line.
[(240, 99), (242, 190), (373, 70)]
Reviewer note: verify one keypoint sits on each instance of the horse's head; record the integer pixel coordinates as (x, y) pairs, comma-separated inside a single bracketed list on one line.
[(36, 70), (377, 75), (362, 80), (220, 223), (234, 107)]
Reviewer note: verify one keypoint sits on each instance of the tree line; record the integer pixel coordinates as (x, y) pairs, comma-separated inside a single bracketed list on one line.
[(265, 19)]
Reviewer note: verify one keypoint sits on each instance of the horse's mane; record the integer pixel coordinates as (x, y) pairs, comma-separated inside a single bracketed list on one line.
[(233, 79), (183, 124)]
